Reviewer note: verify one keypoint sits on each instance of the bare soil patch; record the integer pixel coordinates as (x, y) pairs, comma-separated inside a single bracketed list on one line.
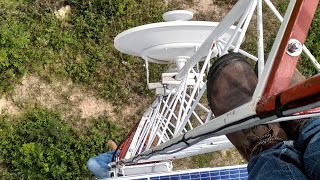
[(62, 95), (208, 10), (8, 106), (72, 101)]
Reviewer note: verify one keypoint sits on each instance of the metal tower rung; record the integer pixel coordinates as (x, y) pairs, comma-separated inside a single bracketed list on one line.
[(206, 146)]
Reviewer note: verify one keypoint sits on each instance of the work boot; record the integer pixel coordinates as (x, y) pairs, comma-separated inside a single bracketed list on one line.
[(112, 146), (231, 83), (291, 127)]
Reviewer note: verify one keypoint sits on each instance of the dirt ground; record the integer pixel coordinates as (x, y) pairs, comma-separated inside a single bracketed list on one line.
[(212, 10), (71, 100)]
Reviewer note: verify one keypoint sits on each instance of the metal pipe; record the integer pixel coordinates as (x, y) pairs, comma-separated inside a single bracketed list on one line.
[(187, 114), (237, 30), (234, 15), (243, 52), (260, 39), (175, 100), (245, 26)]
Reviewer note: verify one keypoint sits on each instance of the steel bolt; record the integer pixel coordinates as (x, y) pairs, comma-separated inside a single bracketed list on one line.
[(294, 47)]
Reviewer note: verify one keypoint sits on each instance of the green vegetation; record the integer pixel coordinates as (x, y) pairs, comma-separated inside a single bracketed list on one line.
[(214, 159), (313, 43), (40, 145), (80, 47)]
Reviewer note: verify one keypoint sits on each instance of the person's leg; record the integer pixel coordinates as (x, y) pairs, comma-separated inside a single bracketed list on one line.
[(308, 143), (282, 161), (99, 165), (307, 136), (231, 83)]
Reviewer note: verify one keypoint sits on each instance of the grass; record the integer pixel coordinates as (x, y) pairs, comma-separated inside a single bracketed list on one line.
[(38, 144), (80, 47), (214, 159)]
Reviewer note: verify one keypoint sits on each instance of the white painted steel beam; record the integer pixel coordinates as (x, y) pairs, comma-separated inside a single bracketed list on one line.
[(233, 16)]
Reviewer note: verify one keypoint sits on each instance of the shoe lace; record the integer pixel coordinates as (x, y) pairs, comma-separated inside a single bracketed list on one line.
[(260, 141)]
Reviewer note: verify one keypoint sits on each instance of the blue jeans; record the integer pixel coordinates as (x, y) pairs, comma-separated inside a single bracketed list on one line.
[(99, 165), (289, 159)]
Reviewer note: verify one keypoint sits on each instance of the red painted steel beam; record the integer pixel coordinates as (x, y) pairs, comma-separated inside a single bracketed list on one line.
[(302, 94), (124, 147), (311, 111), (284, 64)]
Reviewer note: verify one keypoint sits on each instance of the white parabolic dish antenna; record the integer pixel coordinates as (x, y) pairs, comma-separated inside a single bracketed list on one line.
[(165, 42)]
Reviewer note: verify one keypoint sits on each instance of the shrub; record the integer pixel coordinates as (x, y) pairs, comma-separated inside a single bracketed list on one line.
[(40, 145)]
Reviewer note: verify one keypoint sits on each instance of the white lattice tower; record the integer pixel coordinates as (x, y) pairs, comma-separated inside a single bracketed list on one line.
[(179, 122)]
